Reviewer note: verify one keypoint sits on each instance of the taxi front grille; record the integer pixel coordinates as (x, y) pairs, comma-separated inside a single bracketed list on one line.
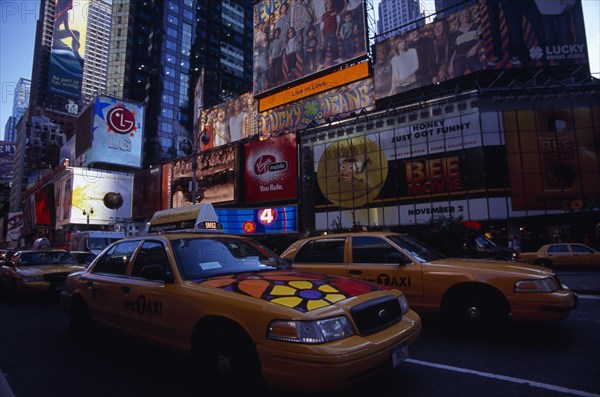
[(376, 314)]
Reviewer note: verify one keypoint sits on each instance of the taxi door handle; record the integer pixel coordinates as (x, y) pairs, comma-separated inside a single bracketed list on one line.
[(125, 289), (356, 272)]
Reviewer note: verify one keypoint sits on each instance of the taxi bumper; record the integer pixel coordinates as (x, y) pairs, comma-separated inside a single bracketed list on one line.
[(326, 367), (543, 307)]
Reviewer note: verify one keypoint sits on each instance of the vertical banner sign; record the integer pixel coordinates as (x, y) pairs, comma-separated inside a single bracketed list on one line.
[(68, 48)]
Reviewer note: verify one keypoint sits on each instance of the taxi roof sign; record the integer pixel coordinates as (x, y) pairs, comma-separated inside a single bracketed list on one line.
[(190, 218)]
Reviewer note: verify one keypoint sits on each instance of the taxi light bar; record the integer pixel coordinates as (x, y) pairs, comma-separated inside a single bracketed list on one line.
[(190, 218)]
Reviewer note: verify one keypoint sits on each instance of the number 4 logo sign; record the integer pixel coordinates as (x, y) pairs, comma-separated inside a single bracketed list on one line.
[(267, 216)]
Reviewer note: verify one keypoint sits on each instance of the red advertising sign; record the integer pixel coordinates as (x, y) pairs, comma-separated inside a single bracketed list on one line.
[(270, 169)]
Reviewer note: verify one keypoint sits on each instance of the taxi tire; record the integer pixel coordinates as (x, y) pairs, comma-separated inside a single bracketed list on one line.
[(475, 307), (228, 359)]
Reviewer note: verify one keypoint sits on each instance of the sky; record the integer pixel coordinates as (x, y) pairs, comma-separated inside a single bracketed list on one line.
[(17, 37)]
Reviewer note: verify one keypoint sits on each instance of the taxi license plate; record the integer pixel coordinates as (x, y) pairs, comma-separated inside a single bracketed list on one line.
[(399, 354)]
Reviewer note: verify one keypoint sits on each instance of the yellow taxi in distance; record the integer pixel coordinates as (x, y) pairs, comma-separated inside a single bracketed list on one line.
[(462, 290), (247, 318), (564, 256), (37, 271)]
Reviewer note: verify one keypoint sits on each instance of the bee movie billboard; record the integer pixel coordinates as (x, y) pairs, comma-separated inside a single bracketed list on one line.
[(116, 133)]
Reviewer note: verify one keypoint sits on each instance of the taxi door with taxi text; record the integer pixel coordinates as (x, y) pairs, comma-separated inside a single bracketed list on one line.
[(375, 259), (147, 306)]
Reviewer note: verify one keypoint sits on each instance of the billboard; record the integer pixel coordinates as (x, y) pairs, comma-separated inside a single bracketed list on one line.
[(147, 192), (270, 170), (44, 206), (318, 85), (228, 122), (259, 220), (215, 175), (405, 170), (295, 39), (117, 133), (478, 37), (68, 48), (13, 228), (553, 157), (7, 156), (105, 196), (298, 115)]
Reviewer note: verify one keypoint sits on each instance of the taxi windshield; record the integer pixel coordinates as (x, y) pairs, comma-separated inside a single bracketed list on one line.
[(417, 249), (46, 258), (201, 257)]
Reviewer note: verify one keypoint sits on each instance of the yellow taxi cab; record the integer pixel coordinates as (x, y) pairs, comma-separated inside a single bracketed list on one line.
[(244, 314), (564, 256), (37, 271), (461, 290)]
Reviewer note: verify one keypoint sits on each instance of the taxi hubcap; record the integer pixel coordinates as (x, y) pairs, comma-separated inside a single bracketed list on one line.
[(473, 313), (223, 364)]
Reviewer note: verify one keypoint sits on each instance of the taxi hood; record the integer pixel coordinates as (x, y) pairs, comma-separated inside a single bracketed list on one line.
[(516, 268), (302, 291), (40, 270)]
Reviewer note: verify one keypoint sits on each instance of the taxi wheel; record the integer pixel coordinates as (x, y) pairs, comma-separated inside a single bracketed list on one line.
[(79, 317), (228, 359), (475, 307)]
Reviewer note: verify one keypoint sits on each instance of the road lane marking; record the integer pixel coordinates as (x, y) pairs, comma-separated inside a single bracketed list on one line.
[(540, 385)]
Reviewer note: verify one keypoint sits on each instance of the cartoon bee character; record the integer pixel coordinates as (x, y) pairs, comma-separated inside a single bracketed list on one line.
[(352, 169)]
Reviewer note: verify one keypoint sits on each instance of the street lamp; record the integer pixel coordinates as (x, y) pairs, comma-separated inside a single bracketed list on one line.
[(88, 213)]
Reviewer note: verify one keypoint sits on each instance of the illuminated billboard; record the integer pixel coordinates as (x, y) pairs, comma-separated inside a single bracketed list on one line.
[(270, 170), (294, 39), (478, 37), (557, 167), (258, 220), (116, 133), (298, 115), (105, 196), (215, 175), (7, 155), (228, 122), (68, 48)]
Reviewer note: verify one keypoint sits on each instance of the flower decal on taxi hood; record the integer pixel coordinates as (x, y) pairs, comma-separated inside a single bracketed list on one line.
[(298, 290)]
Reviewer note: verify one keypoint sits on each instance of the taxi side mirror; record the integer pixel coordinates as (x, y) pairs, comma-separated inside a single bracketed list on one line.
[(156, 272)]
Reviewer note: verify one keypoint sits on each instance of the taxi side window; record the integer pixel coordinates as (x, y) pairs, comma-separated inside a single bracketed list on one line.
[(561, 248), (115, 261), (375, 250), (151, 253), (329, 250)]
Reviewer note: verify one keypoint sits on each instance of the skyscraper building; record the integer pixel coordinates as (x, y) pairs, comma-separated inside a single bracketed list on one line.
[(397, 16), (20, 104), (157, 53), (89, 21)]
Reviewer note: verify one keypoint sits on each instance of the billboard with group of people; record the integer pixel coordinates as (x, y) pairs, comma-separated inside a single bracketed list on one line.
[(297, 38), (490, 34)]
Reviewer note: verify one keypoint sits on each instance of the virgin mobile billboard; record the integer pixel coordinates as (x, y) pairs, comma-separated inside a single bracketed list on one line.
[(68, 48), (271, 169), (297, 38), (482, 36)]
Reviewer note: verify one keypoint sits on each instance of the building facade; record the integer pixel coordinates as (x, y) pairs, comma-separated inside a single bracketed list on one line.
[(158, 50)]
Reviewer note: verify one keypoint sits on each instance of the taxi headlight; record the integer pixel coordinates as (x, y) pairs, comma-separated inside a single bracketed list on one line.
[(319, 331), (32, 279), (543, 285), (403, 304)]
